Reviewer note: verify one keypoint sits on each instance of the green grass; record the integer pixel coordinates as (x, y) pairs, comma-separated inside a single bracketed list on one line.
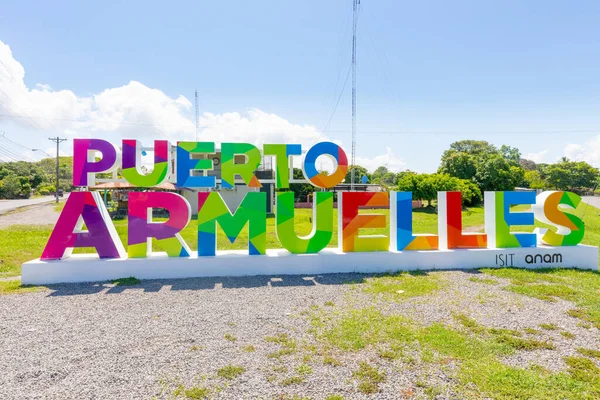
[(524, 344), (583, 369), (196, 393), (230, 337), (288, 345), (403, 285), (577, 286), (567, 334), (231, 371), (60, 206), (369, 378), (15, 287), (589, 352), (549, 327), (477, 352), (468, 322), (129, 281), (292, 380), (20, 243), (304, 369)]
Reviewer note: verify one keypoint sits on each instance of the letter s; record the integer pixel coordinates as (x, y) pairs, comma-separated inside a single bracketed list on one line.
[(570, 228)]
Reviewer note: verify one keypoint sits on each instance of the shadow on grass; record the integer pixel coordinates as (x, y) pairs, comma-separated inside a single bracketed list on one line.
[(425, 210)]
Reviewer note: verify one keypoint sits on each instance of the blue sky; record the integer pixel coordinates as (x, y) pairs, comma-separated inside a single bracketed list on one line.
[(523, 73)]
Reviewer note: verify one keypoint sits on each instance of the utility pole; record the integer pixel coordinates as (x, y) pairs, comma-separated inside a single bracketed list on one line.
[(197, 117), (355, 4), (57, 140)]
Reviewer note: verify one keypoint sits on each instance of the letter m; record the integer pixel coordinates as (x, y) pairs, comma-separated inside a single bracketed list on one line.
[(212, 210), (556, 258)]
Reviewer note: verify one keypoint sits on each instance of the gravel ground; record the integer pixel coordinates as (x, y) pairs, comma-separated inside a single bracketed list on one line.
[(100, 341), (42, 214)]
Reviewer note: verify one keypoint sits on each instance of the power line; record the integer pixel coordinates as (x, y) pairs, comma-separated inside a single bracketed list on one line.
[(10, 155), (405, 132), (342, 47), (29, 121), (338, 101), (15, 81), (95, 122), (18, 147)]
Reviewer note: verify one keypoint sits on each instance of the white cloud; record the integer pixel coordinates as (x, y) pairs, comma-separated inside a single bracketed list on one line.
[(389, 160), (538, 157), (133, 110), (257, 127), (137, 111), (588, 152)]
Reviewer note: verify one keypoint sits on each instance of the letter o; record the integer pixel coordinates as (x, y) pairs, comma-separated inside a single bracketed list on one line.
[(333, 151)]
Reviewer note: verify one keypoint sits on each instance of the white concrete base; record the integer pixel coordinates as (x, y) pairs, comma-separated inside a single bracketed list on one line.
[(89, 268)]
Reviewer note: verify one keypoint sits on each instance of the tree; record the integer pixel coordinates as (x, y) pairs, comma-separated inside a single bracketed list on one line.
[(471, 195), (473, 147), (459, 164), (533, 179), (426, 186), (409, 182), (481, 162), (496, 173), (510, 154), (389, 179), (301, 190), (379, 173), (571, 175), (359, 172), (11, 188)]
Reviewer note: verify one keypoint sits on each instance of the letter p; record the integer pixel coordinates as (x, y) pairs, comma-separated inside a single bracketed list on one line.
[(85, 164)]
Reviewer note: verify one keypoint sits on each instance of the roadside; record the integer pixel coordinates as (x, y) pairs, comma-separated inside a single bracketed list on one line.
[(10, 205), (37, 214), (592, 200)]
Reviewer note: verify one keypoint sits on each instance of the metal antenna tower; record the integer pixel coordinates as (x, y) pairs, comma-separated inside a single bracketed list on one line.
[(355, 4), (197, 117)]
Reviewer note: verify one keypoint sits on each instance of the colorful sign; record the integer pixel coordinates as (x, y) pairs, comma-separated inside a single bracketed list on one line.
[(185, 164)]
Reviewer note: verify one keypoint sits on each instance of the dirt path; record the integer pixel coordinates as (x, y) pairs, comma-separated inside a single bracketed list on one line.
[(42, 214)]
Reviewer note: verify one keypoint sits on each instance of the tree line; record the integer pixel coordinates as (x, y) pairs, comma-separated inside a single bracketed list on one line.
[(22, 179), (475, 166)]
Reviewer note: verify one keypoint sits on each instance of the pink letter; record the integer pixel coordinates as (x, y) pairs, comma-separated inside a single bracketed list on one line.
[(84, 159), (67, 234)]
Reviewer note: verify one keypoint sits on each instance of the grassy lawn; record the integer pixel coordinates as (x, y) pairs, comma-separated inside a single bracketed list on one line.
[(24, 243)]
